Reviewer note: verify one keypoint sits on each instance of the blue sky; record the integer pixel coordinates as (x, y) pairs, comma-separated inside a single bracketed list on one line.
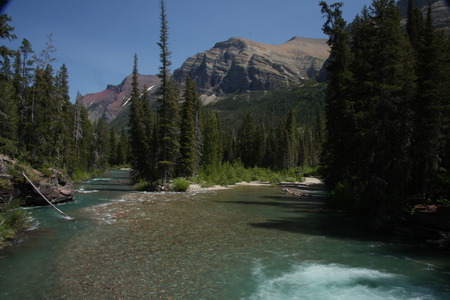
[(97, 39)]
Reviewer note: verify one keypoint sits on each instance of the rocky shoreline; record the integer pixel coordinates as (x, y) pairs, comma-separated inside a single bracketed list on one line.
[(54, 185)]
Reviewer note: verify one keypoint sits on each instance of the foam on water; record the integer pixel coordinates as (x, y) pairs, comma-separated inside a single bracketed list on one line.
[(83, 191), (333, 281), (101, 179)]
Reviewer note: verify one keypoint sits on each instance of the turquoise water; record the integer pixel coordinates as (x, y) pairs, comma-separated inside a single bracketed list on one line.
[(246, 243)]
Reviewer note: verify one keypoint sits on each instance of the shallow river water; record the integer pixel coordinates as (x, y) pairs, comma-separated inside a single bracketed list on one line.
[(245, 243)]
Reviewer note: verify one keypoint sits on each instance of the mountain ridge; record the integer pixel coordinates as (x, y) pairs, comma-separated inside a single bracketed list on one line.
[(231, 66), (239, 64), (108, 103)]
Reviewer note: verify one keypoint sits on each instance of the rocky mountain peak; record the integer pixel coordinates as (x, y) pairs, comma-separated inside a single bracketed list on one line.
[(109, 102), (240, 64)]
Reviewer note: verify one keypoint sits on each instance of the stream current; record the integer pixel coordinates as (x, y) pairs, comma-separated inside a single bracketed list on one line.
[(244, 243)]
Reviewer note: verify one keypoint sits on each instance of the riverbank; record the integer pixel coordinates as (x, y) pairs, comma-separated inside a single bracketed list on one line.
[(197, 188), (22, 185)]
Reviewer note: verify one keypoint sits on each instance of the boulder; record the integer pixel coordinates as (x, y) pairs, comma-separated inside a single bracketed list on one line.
[(56, 187)]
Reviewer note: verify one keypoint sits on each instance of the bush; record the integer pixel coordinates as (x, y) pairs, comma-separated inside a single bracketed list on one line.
[(143, 185), (13, 220), (180, 185), (342, 196)]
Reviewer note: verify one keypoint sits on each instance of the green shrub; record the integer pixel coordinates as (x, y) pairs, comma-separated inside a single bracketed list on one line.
[(180, 185), (13, 220), (143, 185), (342, 196)]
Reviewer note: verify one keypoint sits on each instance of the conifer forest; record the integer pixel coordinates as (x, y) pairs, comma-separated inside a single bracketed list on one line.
[(377, 130)]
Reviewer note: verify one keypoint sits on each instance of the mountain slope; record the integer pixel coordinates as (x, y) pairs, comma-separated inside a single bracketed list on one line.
[(109, 102), (440, 11), (239, 64)]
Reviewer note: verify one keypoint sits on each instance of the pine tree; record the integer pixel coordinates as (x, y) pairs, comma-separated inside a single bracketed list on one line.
[(369, 99), (414, 24), (140, 149), (212, 152), (62, 138), (22, 81), (187, 162), (8, 107), (340, 124), (8, 119), (290, 144), (112, 159), (148, 137), (429, 108), (82, 135), (122, 148), (168, 107), (386, 108), (246, 140), (100, 146)]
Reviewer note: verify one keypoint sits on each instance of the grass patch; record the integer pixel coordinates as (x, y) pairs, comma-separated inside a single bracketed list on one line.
[(231, 173)]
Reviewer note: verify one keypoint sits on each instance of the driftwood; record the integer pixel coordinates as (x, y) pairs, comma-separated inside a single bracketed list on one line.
[(48, 201), (297, 193)]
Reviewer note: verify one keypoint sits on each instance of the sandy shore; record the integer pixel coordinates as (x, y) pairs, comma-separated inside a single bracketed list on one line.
[(197, 188)]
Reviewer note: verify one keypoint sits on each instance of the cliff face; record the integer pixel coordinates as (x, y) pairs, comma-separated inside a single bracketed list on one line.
[(108, 103), (240, 64), (440, 11)]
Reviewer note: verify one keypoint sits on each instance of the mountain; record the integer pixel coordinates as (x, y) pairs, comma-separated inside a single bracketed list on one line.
[(239, 64), (108, 103), (440, 11)]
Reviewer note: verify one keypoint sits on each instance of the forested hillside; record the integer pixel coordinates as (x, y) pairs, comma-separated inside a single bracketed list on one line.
[(266, 113)]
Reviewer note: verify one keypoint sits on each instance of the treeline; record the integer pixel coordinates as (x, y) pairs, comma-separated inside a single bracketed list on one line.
[(388, 111), (278, 129), (38, 124), (183, 139)]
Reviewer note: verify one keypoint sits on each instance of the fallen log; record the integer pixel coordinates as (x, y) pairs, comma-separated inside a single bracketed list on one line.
[(45, 198)]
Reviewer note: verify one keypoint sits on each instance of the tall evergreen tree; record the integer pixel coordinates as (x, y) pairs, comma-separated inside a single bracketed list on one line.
[(62, 137), (385, 97), (122, 148), (340, 125), (8, 107), (82, 136), (212, 152), (23, 78), (429, 107), (100, 146), (140, 149), (246, 140), (187, 162), (112, 159), (168, 106), (8, 119), (290, 144)]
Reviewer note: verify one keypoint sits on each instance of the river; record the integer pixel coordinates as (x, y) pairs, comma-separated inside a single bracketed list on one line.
[(244, 243)]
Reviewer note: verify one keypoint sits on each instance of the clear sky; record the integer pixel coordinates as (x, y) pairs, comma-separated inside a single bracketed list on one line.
[(97, 39)]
